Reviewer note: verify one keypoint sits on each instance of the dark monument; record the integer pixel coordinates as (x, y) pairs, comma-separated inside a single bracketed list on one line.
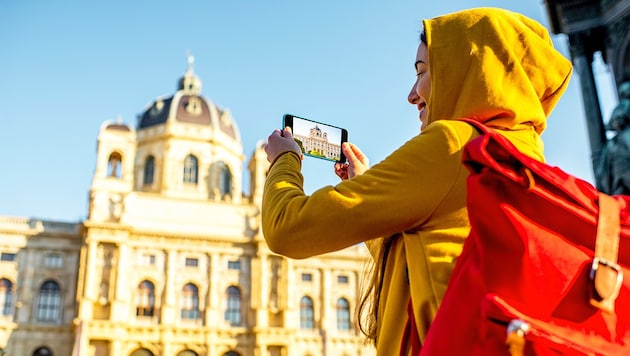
[(613, 172), (600, 26)]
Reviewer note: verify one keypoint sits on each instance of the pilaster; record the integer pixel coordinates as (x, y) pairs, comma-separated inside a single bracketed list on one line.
[(169, 307), (120, 306), (90, 291), (213, 311)]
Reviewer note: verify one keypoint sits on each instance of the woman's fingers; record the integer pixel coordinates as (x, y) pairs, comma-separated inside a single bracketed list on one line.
[(341, 170), (359, 155), (357, 161), (280, 141)]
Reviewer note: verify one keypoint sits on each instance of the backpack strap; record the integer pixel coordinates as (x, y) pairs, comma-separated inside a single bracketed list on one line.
[(410, 340), (606, 282), (476, 124)]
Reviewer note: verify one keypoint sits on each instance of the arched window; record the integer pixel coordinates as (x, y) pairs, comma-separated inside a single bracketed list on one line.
[(145, 299), (42, 351), (220, 181), (6, 296), (233, 306), (49, 302), (225, 181), (141, 352), (306, 313), (231, 353), (114, 165), (149, 170), (343, 314), (188, 353), (190, 302), (191, 169)]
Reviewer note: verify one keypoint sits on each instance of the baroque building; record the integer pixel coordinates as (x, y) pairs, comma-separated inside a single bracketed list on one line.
[(316, 143), (170, 260)]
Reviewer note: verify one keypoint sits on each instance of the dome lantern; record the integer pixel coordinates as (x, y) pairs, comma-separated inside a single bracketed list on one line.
[(190, 83)]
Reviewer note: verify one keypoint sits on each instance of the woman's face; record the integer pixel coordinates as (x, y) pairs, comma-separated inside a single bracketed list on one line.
[(421, 89)]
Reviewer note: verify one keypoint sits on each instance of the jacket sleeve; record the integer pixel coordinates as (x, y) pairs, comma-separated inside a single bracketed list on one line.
[(398, 194)]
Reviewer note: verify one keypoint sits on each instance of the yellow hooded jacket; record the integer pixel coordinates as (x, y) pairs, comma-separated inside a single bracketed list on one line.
[(492, 65)]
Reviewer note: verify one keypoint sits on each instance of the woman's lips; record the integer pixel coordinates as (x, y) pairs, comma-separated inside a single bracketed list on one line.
[(421, 108)]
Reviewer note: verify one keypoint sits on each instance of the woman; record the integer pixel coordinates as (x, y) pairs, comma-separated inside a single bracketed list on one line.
[(492, 65)]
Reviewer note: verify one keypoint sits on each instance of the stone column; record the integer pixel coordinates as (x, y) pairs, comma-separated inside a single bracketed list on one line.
[(582, 60)]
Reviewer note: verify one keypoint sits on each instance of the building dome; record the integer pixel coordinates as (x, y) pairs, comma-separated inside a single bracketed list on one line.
[(187, 105), (118, 127)]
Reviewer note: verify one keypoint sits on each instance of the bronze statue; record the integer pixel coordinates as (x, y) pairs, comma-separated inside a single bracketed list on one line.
[(613, 173)]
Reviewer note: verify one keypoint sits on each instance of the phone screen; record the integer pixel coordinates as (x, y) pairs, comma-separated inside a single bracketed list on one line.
[(317, 139)]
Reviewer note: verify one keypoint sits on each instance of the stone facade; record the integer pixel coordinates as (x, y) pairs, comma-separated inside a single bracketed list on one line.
[(39, 266), (171, 260)]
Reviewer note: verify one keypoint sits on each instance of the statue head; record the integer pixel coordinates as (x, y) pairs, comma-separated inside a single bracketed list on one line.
[(620, 117), (624, 90)]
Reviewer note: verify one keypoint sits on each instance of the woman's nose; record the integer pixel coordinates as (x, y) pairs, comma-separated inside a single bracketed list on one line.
[(412, 98)]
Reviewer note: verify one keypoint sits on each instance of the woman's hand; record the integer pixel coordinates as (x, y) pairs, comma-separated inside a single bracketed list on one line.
[(357, 162), (279, 142)]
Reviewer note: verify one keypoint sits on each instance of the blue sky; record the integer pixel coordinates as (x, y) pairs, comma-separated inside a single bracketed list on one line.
[(68, 66)]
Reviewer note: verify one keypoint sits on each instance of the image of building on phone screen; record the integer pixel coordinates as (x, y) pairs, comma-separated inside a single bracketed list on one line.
[(317, 142)]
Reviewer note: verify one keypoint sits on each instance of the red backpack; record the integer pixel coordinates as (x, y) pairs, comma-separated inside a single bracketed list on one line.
[(545, 269)]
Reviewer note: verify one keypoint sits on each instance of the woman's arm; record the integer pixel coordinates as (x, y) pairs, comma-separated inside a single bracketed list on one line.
[(398, 194)]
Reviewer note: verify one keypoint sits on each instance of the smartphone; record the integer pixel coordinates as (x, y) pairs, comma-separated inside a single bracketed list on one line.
[(317, 139)]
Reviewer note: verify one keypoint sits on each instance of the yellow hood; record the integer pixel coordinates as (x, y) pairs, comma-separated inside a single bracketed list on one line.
[(486, 64)]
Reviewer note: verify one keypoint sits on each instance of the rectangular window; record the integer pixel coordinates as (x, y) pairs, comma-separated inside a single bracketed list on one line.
[(342, 279), (147, 260), (6, 296), (233, 306), (144, 304), (192, 262), (306, 313), (190, 302), (235, 265), (307, 277), (53, 261), (145, 299), (277, 350), (8, 257), (343, 314), (49, 302), (190, 169)]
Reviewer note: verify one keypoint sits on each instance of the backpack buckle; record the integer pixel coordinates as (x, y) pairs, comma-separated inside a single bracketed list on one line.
[(606, 285)]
